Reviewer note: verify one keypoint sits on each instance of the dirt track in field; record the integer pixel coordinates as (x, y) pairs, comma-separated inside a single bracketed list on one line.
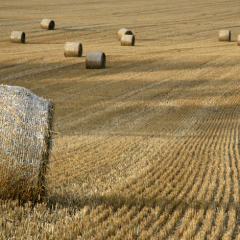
[(150, 143)]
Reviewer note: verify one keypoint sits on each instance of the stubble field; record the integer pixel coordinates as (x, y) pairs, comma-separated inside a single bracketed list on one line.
[(147, 148)]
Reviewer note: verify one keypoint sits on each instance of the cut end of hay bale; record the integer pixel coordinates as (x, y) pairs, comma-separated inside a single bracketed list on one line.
[(73, 49), (48, 24), (26, 122), (224, 35), (18, 37), (95, 60), (127, 40), (124, 31)]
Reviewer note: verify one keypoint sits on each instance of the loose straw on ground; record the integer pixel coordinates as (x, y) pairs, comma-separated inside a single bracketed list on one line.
[(124, 31), (48, 24), (127, 40), (224, 35), (95, 60), (73, 49), (18, 37), (26, 122)]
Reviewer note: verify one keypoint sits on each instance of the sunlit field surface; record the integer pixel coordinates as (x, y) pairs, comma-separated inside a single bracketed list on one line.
[(147, 148)]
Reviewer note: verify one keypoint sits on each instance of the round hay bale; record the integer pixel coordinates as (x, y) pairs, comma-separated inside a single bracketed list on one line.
[(95, 60), (18, 37), (127, 40), (26, 122), (73, 49), (238, 40), (48, 24), (224, 35), (124, 31)]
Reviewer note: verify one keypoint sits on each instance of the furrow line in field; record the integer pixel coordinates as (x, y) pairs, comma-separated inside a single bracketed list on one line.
[(124, 229), (159, 172), (235, 146), (193, 198), (190, 198), (234, 198), (190, 184), (206, 226), (221, 191), (222, 217), (227, 193)]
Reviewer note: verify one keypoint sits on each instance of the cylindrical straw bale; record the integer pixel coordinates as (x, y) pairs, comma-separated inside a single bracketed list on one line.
[(48, 24), (95, 60), (127, 40), (18, 37), (73, 49), (26, 122), (238, 40), (124, 31), (224, 35)]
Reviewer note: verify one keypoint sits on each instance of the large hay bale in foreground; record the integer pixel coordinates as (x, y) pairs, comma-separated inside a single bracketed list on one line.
[(18, 37), (73, 49), (224, 35), (95, 60), (124, 31), (127, 40), (48, 24), (26, 122)]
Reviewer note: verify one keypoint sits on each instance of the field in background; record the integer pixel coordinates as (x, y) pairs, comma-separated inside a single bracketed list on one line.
[(147, 148)]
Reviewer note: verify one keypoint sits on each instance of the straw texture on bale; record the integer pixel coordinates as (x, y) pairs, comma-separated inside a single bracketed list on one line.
[(124, 31), (127, 40), (95, 60), (238, 40), (26, 122), (73, 49), (48, 24), (18, 37), (224, 35)]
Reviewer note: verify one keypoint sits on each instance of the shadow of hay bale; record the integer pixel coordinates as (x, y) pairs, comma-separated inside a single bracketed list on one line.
[(26, 122)]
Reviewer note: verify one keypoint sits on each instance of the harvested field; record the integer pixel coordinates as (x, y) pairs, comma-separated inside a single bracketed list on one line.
[(147, 148)]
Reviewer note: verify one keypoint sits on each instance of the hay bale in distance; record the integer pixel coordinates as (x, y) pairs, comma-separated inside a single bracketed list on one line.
[(48, 24), (127, 40), (224, 35), (18, 37), (95, 60), (26, 122), (238, 40), (73, 49), (124, 31)]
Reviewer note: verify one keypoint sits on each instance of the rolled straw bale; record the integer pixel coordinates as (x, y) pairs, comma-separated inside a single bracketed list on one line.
[(238, 40), (224, 35), (95, 60), (26, 122), (124, 31), (18, 37), (73, 49), (48, 24), (127, 40)]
